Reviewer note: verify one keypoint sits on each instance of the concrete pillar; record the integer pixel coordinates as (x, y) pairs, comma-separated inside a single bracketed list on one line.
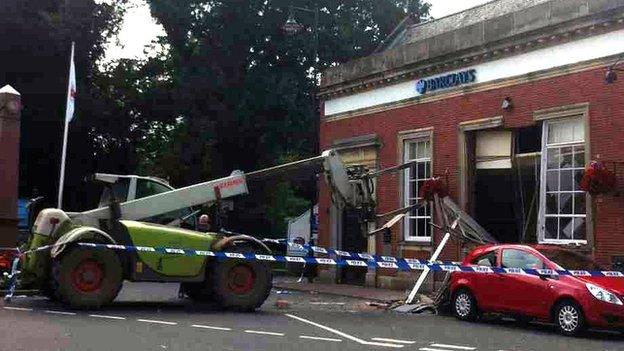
[(10, 108)]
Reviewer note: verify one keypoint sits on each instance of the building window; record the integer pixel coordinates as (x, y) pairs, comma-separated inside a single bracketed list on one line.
[(563, 211), (417, 226)]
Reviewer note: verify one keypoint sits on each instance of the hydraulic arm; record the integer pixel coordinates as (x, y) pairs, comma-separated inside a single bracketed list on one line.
[(206, 192)]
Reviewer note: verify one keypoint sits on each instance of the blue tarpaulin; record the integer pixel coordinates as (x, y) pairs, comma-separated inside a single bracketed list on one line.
[(22, 214)]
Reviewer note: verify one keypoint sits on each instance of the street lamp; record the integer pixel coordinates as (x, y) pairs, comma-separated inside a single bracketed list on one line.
[(611, 75), (292, 27)]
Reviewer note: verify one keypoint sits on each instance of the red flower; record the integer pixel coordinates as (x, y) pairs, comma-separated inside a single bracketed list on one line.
[(597, 179), (432, 187)]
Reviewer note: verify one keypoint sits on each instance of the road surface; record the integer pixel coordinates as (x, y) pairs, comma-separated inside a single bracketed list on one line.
[(311, 322)]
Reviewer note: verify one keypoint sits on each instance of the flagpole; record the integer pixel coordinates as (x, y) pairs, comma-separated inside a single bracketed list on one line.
[(66, 129), (63, 157)]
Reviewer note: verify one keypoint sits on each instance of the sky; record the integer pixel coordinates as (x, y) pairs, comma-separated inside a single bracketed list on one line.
[(139, 28)]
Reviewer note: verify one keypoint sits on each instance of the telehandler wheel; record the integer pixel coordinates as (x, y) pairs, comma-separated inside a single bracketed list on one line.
[(200, 292), (89, 278), (50, 288), (238, 284)]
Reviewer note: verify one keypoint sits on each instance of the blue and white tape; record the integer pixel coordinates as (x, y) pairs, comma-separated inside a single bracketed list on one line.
[(344, 258), (343, 254)]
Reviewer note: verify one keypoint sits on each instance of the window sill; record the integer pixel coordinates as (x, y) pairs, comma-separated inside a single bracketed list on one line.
[(564, 242), (416, 242)]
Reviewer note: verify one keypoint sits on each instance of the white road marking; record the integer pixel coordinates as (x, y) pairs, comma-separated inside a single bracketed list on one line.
[(430, 349), (263, 332), (344, 335), (156, 322), (317, 338), (60, 312), (210, 327), (456, 347), (106, 317), (409, 342), (18, 309)]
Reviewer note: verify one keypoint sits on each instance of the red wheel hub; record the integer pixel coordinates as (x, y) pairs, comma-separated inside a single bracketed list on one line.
[(87, 276), (241, 279)]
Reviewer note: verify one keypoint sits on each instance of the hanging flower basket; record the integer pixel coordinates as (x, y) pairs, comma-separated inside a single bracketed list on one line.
[(597, 179), (431, 187)]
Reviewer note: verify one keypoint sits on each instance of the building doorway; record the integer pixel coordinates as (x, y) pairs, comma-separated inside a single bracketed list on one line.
[(352, 241), (361, 151), (494, 204), (504, 177)]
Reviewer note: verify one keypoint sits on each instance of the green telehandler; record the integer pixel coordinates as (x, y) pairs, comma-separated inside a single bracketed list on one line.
[(54, 263)]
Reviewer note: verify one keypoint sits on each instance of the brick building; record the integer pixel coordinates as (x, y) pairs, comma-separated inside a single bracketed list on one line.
[(509, 102)]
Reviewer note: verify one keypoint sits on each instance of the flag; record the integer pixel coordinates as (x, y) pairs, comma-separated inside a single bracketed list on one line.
[(71, 89), (69, 115)]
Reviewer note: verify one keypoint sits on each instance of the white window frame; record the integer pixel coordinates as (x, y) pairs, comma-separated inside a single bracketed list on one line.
[(543, 177), (406, 188)]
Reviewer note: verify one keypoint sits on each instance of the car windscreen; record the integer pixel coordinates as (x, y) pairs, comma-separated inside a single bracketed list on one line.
[(571, 260)]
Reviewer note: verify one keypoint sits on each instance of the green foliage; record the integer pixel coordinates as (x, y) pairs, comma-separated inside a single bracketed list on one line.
[(232, 91), (284, 203), (36, 36), (240, 82), (245, 90)]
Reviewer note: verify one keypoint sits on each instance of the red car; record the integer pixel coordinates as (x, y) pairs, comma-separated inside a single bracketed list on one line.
[(572, 303)]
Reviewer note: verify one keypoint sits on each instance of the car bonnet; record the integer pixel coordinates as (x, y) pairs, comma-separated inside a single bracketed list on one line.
[(613, 284)]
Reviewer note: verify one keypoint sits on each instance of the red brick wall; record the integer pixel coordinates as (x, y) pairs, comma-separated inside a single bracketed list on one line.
[(606, 117)]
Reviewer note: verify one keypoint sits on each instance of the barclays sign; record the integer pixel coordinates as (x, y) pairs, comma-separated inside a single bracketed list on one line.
[(424, 86)]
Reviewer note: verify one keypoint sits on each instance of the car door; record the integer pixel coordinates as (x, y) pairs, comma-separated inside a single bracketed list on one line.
[(523, 293), (486, 285)]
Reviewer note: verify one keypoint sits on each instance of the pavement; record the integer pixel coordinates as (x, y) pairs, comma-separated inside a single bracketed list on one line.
[(151, 317), (359, 292)]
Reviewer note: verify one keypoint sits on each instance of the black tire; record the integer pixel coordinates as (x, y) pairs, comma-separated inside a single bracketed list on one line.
[(50, 287), (464, 305), (240, 285), (89, 278), (569, 318), (200, 292)]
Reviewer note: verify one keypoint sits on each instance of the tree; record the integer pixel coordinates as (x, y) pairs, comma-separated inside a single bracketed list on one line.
[(233, 68), (244, 89), (231, 92), (37, 36)]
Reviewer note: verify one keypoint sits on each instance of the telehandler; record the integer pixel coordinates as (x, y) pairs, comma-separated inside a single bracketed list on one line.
[(55, 265)]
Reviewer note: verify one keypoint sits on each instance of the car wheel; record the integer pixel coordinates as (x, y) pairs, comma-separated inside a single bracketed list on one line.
[(569, 318), (89, 278), (240, 284), (464, 305)]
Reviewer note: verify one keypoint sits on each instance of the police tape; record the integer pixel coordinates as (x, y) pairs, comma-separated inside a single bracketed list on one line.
[(340, 253), (363, 260)]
